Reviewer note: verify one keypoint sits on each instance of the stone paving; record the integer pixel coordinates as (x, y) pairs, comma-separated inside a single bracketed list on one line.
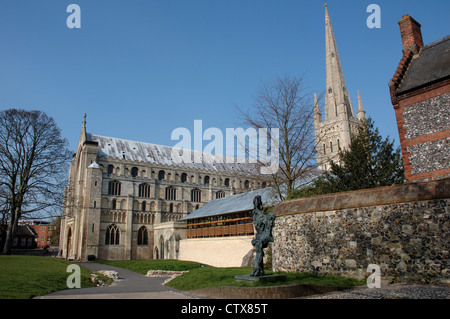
[(396, 291)]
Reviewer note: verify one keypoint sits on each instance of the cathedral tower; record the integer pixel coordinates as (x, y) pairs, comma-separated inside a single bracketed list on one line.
[(340, 124)]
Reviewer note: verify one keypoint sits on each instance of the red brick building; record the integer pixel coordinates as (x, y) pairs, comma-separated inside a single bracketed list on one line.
[(420, 94), (43, 232)]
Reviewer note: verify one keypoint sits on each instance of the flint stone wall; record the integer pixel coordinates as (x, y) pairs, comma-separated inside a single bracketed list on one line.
[(404, 229)]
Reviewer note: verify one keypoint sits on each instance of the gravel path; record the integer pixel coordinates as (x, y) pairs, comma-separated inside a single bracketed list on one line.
[(397, 291)]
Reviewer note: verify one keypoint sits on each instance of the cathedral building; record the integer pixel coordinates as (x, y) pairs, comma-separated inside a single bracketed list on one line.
[(131, 200), (124, 198), (338, 127)]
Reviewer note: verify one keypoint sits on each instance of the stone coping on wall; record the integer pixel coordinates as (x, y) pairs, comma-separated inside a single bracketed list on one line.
[(367, 197)]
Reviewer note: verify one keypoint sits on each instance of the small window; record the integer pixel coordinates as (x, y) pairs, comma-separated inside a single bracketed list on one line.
[(134, 172), (227, 182), (110, 169), (247, 184), (183, 178), (161, 175), (331, 147), (114, 204), (114, 188), (220, 194), (206, 180), (144, 206)]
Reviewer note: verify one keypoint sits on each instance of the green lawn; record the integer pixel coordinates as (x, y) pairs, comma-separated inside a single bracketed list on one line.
[(24, 277), (208, 276)]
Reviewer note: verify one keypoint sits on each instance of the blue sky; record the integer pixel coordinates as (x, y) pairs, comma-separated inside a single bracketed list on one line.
[(140, 69)]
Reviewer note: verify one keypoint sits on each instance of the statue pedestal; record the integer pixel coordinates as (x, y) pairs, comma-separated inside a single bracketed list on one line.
[(263, 278)]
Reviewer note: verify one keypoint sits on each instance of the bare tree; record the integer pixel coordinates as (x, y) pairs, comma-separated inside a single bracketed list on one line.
[(287, 105), (33, 166)]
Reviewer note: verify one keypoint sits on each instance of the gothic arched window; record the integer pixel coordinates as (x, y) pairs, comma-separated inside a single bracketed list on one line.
[(196, 195), (134, 171), (227, 182), (144, 190), (112, 235), (206, 180), (142, 236), (171, 193), (161, 175), (183, 178)]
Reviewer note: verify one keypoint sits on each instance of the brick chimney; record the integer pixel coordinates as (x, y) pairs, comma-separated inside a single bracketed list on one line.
[(411, 34)]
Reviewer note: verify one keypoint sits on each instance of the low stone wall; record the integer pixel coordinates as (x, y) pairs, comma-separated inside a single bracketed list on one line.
[(404, 229)]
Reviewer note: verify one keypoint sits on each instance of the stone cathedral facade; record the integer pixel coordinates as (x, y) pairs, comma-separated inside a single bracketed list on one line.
[(124, 198), (335, 132)]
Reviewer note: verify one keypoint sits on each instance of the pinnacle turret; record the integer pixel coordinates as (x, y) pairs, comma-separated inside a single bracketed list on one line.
[(361, 114)]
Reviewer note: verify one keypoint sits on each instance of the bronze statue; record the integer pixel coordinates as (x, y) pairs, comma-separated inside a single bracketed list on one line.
[(263, 226)]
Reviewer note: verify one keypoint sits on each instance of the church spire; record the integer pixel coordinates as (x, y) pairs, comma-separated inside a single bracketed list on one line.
[(337, 101)]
